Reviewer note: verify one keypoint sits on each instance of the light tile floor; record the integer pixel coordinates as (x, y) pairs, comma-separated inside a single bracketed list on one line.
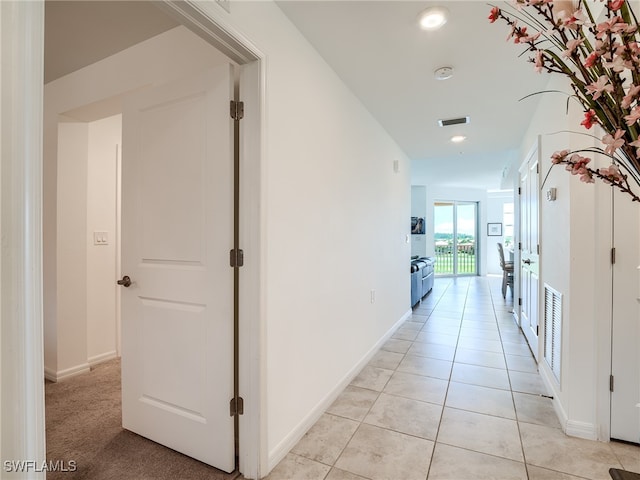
[(454, 394)]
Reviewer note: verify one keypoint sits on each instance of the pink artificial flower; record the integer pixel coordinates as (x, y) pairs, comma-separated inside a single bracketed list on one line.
[(572, 45), (529, 38), (611, 25), (622, 27), (633, 116), (571, 20), (613, 142), (602, 47), (494, 15), (599, 86), (559, 156), (590, 61), (630, 97), (618, 64), (636, 144), (521, 35), (612, 174), (587, 177), (615, 5), (577, 165), (633, 47), (589, 119)]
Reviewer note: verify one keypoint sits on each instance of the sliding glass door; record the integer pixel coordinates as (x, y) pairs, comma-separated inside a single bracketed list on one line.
[(455, 235)]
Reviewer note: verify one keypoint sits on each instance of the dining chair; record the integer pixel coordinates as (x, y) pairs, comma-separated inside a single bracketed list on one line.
[(507, 272)]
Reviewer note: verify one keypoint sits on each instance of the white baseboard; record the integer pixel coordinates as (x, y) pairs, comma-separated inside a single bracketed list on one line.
[(103, 357), (56, 376), (584, 430), (281, 450), (572, 428)]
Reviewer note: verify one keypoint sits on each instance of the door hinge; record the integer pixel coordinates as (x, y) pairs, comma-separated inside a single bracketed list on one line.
[(613, 255), (519, 190), (520, 302), (519, 245), (236, 257), (611, 383), (538, 249), (237, 110), (537, 330), (236, 406)]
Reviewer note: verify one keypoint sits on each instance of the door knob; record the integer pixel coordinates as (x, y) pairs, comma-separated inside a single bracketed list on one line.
[(125, 282), (527, 261)]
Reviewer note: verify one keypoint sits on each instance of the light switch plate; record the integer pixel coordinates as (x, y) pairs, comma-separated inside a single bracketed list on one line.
[(100, 238)]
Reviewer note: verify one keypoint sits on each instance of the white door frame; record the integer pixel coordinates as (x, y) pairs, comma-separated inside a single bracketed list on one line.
[(21, 300), (532, 156)]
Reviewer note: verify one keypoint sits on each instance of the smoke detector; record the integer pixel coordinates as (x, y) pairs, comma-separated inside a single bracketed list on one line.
[(443, 73)]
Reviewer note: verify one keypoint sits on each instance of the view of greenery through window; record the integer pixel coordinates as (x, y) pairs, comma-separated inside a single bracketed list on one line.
[(455, 247), (446, 237), (507, 215)]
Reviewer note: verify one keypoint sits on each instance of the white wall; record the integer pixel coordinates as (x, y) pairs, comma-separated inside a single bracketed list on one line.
[(71, 325), (336, 214), (436, 192), (102, 186), (495, 214), (337, 217), (575, 243), (87, 95)]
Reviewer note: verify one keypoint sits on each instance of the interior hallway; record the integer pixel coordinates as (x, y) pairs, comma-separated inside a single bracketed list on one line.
[(454, 394)]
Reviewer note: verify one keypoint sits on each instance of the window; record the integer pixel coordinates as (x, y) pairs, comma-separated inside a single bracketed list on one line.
[(507, 221)]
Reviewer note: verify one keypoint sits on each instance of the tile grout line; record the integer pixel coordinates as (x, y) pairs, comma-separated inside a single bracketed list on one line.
[(446, 394), (513, 400), (379, 393)]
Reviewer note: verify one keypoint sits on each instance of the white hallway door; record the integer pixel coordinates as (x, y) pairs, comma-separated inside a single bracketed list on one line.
[(625, 335), (177, 231), (529, 244)]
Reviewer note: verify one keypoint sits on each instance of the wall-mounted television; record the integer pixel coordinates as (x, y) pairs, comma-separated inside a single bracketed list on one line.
[(417, 225)]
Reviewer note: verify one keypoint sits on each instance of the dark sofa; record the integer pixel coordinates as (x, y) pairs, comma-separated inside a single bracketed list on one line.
[(422, 275)]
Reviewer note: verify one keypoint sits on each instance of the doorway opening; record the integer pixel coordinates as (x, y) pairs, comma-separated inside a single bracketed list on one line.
[(82, 111), (456, 238)]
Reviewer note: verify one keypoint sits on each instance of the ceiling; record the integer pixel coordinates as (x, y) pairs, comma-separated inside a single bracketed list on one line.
[(381, 54), (78, 33)]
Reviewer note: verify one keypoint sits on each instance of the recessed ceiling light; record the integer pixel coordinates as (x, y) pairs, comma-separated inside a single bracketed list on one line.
[(458, 138), (433, 18)]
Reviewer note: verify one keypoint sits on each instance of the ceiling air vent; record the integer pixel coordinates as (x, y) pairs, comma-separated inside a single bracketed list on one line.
[(453, 121)]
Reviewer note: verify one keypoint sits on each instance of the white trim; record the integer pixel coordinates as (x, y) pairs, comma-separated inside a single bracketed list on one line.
[(56, 376), (214, 24), (252, 374), (23, 392), (22, 385), (584, 430), (287, 443), (103, 357)]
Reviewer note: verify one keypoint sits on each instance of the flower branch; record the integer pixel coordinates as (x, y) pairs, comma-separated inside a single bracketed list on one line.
[(602, 63)]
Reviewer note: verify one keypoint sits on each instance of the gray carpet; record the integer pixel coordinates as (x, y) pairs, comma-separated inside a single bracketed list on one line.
[(83, 421)]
